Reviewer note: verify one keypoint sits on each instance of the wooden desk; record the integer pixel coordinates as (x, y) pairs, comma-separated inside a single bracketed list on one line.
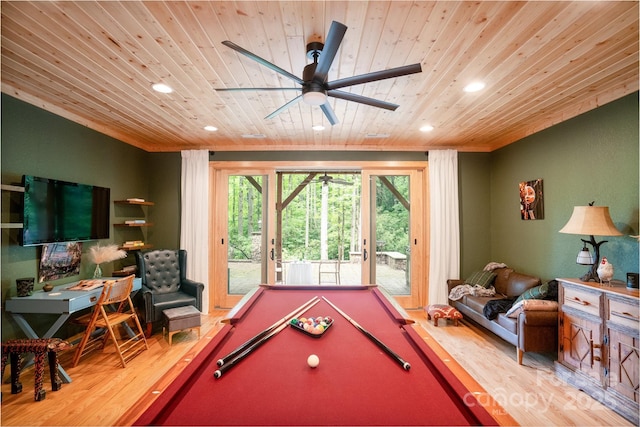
[(60, 301)]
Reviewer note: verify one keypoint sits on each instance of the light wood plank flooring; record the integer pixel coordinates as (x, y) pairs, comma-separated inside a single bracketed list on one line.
[(103, 393)]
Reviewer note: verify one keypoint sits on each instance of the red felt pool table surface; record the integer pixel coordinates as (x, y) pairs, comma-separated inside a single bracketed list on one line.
[(356, 383)]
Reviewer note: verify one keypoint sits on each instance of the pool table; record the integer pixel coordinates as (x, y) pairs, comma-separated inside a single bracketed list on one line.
[(356, 383)]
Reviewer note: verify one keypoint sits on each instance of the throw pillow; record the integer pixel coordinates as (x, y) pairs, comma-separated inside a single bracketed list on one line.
[(539, 292), (481, 278), (532, 305)]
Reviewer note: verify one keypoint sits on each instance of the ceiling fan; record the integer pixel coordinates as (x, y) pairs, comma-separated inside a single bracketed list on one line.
[(314, 85), (328, 179)]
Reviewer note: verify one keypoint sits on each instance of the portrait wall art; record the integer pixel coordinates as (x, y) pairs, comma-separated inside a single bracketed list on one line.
[(531, 200)]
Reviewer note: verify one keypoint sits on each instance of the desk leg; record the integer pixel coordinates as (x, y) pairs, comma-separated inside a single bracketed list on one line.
[(30, 333)]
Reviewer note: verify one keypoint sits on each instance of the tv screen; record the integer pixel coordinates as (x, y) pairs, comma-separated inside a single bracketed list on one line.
[(60, 211)]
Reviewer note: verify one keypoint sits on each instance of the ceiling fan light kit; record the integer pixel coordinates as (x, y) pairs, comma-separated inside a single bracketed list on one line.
[(314, 85)]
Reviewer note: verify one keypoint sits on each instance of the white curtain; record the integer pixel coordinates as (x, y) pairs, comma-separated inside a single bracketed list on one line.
[(444, 260), (194, 220)]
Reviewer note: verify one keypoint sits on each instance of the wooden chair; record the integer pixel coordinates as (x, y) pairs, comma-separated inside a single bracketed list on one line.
[(115, 294), (330, 268)]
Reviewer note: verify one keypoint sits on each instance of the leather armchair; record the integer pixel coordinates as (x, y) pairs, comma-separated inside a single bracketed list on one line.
[(164, 283)]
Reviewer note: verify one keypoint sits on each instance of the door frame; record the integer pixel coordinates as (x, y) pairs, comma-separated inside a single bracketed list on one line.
[(218, 202)]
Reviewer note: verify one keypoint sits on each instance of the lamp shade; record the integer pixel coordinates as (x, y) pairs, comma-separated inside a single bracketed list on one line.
[(591, 220)]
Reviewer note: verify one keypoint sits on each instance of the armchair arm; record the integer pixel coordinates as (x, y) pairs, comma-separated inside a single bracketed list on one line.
[(149, 299), (194, 289)]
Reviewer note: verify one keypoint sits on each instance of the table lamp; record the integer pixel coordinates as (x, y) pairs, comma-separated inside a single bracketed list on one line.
[(592, 221)]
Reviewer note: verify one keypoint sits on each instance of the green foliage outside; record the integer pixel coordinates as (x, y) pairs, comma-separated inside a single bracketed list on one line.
[(301, 229)]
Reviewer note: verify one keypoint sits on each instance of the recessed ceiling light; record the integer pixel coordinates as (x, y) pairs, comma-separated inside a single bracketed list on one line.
[(426, 128), (210, 128), (162, 88), (474, 87), (317, 127)]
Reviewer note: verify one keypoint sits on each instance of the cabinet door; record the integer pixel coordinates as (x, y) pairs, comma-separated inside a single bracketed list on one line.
[(582, 344), (624, 375)]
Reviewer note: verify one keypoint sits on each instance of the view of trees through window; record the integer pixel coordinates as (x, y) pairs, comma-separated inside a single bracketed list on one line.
[(322, 221)]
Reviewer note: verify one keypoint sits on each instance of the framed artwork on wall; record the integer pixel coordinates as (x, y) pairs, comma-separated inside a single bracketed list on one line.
[(59, 260), (531, 200)]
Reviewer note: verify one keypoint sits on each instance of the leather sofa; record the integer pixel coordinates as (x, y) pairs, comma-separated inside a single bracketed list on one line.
[(535, 331)]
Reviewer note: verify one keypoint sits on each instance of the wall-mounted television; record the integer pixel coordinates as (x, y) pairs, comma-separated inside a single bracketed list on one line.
[(60, 211)]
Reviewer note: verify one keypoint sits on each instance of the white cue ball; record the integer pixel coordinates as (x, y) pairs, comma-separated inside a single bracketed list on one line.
[(313, 360)]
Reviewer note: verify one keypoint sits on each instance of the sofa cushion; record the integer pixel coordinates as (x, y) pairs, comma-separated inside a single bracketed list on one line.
[(508, 323), (518, 283), (538, 292), (477, 303), (481, 278)]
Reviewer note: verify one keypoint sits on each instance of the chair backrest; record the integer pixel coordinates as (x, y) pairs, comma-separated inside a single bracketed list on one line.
[(116, 291), (162, 271)]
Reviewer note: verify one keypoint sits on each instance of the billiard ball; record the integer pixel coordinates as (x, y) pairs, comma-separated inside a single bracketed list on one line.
[(313, 360)]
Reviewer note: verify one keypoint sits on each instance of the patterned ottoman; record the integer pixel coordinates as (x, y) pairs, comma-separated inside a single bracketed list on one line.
[(443, 311)]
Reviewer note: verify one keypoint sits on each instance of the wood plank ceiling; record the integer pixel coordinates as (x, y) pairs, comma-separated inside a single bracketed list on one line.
[(543, 62)]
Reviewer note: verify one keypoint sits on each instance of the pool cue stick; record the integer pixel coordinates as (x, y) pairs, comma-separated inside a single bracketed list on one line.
[(405, 365), (224, 368), (262, 334)]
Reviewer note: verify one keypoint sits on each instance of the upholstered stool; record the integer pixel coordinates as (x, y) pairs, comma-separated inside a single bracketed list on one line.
[(443, 311), (179, 319)]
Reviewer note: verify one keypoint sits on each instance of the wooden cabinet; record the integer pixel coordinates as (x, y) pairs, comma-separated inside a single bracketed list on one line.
[(598, 343)]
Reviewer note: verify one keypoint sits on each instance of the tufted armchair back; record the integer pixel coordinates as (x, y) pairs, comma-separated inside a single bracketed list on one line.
[(163, 270)]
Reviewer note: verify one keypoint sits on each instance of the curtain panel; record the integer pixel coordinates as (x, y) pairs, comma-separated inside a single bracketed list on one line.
[(194, 220), (444, 228)]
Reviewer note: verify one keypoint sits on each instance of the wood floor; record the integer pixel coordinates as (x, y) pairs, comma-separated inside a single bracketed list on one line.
[(104, 394)]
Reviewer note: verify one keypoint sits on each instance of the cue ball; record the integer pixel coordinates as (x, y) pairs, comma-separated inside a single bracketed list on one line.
[(313, 360)]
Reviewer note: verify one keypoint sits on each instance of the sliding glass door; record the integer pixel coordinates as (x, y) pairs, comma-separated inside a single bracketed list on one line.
[(299, 225)]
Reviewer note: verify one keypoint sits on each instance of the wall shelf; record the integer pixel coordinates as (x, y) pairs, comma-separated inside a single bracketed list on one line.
[(13, 189), (134, 202)]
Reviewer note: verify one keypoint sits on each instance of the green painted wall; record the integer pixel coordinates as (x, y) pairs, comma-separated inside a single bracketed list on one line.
[(35, 142), (474, 174), (593, 157)]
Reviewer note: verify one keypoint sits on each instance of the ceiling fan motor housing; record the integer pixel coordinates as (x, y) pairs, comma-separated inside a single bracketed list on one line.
[(314, 49)]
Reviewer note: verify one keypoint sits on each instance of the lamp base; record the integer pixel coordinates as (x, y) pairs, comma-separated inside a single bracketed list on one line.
[(590, 276)]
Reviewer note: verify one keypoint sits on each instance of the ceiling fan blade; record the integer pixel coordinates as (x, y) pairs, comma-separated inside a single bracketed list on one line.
[(242, 89), (340, 182), (284, 107), (328, 112), (262, 61), (376, 75), (362, 99), (331, 45)]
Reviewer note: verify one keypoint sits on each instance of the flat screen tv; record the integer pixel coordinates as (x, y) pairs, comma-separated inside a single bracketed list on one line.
[(60, 211)]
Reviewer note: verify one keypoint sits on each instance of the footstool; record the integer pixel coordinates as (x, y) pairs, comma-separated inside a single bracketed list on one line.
[(443, 311), (179, 319)]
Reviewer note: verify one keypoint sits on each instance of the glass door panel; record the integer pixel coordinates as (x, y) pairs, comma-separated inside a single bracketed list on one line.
[(391, 239), (242, 238), (318, 223), (246, 257)]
